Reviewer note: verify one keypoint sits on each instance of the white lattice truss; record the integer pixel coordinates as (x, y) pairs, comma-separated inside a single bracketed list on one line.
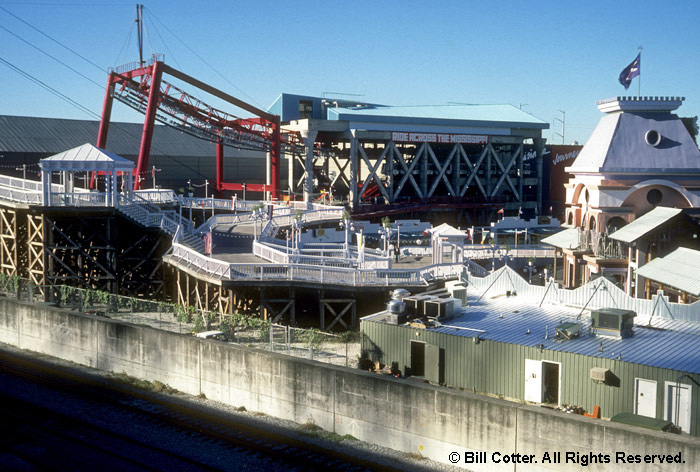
[(496, 171)]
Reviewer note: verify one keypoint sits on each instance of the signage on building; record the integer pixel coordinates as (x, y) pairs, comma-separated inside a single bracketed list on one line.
[(439, 138)]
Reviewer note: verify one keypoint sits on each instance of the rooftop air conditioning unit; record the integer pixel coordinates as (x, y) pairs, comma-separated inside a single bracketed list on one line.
[(613, 322)]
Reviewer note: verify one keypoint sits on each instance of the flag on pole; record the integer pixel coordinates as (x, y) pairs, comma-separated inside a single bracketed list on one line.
[(630, 72)]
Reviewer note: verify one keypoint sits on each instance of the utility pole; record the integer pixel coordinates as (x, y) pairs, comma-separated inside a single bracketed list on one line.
[(563, 125)]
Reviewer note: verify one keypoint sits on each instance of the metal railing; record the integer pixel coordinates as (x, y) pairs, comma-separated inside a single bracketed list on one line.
[(189, 259)]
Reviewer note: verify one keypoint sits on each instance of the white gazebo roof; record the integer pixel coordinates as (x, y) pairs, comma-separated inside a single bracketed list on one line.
[(445, 230), (86, 158)]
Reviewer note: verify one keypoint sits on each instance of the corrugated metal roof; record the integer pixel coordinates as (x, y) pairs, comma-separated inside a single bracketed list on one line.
[(53, 135), (618, 145), (492, 115), (665, 344), (567, 239), (645, 224), (680, 269)]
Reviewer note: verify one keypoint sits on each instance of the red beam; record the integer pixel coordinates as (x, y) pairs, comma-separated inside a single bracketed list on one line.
[(275, 158), (147, 135), (104, 122), (248, 187), (218, 93), (219, 165)]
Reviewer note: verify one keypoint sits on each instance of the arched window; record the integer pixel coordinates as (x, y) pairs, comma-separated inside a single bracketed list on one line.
[(615, 223), (591, 223), (570, 219)]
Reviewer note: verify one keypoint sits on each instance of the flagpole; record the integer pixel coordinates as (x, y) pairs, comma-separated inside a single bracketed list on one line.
[(639, 83)]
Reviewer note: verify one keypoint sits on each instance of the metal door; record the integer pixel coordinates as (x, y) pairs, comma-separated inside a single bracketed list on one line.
[(432, 363), (677, 405), (645, 397), (533, 381)]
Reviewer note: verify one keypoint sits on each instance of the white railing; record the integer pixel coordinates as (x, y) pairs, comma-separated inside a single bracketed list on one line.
[(157, 196), (480, 252), (150, 216), (190, 259), (79, 199), (23, 184), (21, 196)]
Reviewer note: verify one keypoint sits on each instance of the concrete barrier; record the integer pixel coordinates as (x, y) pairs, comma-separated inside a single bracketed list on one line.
[(414, 417)]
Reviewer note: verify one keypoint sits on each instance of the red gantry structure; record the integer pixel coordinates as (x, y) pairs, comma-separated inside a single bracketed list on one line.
[(143, 87)]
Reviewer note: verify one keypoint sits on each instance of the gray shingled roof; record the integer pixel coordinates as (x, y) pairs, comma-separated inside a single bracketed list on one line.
[(680, 269), (645, 224)]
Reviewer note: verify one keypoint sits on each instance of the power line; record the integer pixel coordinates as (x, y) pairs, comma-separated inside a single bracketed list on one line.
[(49, 88), (52, 57), (204, 61), (102, 69)]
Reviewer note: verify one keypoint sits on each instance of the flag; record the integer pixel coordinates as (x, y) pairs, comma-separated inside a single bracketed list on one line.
[(630, 72)]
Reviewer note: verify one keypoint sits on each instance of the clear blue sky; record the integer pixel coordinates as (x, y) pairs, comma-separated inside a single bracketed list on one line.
[(546, 55)]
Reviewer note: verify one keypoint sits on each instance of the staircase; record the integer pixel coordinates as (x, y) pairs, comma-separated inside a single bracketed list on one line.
[(146, 214)]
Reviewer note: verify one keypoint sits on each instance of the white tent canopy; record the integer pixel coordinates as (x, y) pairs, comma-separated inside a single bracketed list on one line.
[(85, 158)]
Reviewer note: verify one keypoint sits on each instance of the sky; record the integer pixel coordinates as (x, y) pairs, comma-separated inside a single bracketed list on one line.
[(554, 59)]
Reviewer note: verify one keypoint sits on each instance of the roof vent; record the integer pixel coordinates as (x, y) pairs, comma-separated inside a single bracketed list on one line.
[(652, 137), (567, 331)]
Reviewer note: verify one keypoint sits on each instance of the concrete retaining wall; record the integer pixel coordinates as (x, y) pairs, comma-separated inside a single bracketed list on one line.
[(400, 414)]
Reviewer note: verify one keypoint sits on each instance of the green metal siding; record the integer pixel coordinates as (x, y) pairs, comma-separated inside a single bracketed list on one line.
[(498, 369)]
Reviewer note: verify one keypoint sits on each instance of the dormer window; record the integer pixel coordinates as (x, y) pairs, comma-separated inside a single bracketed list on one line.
[(652, 137)]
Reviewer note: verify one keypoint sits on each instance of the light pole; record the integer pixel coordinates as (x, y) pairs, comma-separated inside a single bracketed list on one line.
[(296, 232), (206, 188), (153, 174), (24, 173), (258, 214), (494, 249), (530, 269), (347, 225)]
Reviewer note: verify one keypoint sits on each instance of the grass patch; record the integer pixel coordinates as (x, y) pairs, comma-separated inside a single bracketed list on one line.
[(154, 386), (314, 430), (415, 456)]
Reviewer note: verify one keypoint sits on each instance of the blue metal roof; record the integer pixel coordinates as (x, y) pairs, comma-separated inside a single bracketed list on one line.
[(501, 116), (666, 344)]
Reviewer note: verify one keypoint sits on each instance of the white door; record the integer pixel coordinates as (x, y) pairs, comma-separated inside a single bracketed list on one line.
[(677, 405), (645, 394), (533, 381)]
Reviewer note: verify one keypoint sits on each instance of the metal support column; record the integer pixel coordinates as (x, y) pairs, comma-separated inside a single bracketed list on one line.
[(309, 137), (539, 148), (219, 165), (354, 197), (149, 122)]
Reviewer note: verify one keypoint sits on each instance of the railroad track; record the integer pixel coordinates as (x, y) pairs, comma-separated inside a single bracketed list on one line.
[(266, 447)]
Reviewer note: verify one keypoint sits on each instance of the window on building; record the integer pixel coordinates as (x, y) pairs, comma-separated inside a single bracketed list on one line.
[(306, 109), (654, 196)]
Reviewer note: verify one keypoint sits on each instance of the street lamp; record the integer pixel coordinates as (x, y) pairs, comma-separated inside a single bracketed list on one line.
[(494, 249), (530, 269), (348, 226), (297, 225)]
